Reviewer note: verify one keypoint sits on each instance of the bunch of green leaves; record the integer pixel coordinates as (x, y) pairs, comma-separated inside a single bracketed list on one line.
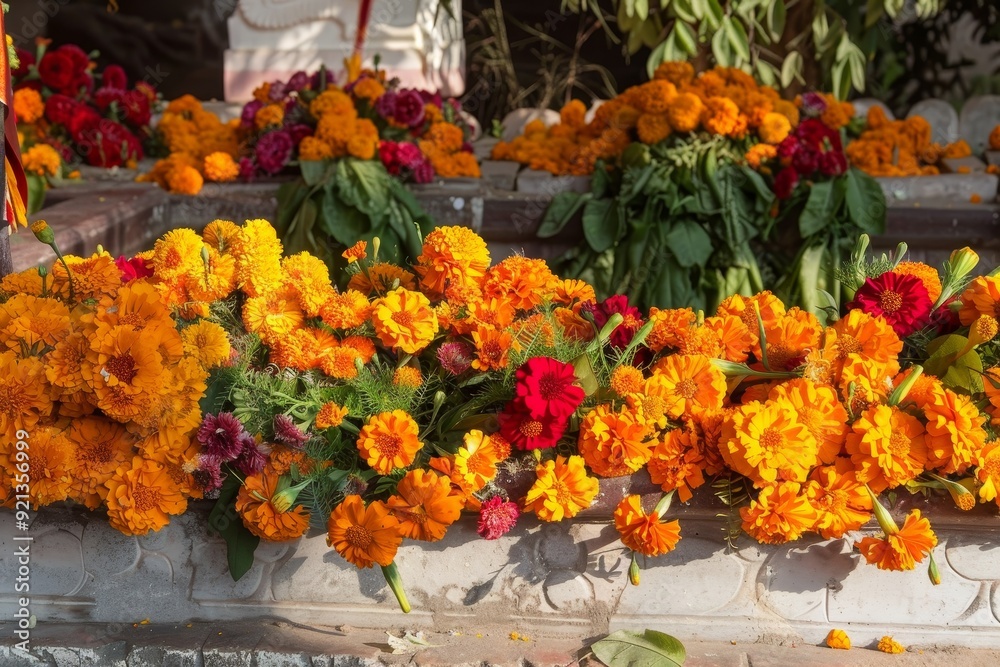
[(777, 41), (336, 203)]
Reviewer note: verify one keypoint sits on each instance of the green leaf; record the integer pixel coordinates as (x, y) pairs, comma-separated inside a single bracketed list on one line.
[(791, 69), (721, 49), (632, 649), (601, 224), (964, 374), (562, 209), (36, 192), (220, 384), (685, 10), (225, 520), (585, 375), (686, 38), (737, 36), (819, 209), (690, 243), (865, 201), (314, 171), (364, 184), (714, 14), (736, 209), (345, 223), (776, 19)]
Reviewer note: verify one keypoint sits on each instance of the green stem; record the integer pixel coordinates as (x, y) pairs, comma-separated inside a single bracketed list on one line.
[(396, 584)]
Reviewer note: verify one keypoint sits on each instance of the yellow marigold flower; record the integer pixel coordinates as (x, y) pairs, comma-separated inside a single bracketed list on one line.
[(184, 180), (954, 431), (356, 252), (838, 639), (627, 380), (269, 115), (309, 277), (272, 316), (330, 415), (889, 645), (259, 505), (221, 167), (257, 251), (215, 280), (93, 277), (988, 471), (927, 275), (314, 149), (645, 533), (424, 505), (983, 330), (475, 463), (767, 443), (28, 322), (492, 348), (28, 106), (407, 376), (561, 490), (363, 535), (368, 88), (345, 310), (774, 128), (689, 383), (614, 443), (779, 514), (41, 159), (451, 255), (207, 342), (903, 549), (760, 153), (404, 320), (676, 463), (981, 297), (389, 440), (685, 112), (142, 496), (842, 503)]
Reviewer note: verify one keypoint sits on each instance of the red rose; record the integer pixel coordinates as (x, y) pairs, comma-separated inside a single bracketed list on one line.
[(56, 70), (59, 109), (547, 388), (114, 77), (79, 57), (785, 182), (524, 432), (902, 300)]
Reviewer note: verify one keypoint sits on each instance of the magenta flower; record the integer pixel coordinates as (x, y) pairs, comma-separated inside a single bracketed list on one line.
[(496, 518), (273, 151), (220, 436)]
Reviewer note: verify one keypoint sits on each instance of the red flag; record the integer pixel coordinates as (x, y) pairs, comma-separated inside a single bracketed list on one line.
[(16, 185)]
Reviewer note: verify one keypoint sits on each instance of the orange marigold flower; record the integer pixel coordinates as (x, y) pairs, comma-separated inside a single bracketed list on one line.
[(889, 645), (995, 138), (766, 442), (51, 464), (720, 116), (389, 440), (177, 253), (760, 153), (42, 160), (363, 535), (184, 180), (362, 345), (101, 446), (407, 376), (988, 471), (475, 463), (340, 362), (860, 336), (684, 112), (330, 415), (981, 297), (779, 514), (561, 490), (689, 383), (573, 293), (678, 73), (887, 447), (424, 505), (838, 639), (669, 327), (142, 496), (28, 106), (404, 320), (308, 277), (653, 128), (645, 533), (492, 348), (627, 380), (221, 167), (521, 281), (382, 277), (954, 431), (314, 149), (451, 255), (265, 513), (770, 307), (820, 411), (356, 252), (928, 275), (901, 550), (774, 128), (345, 310), (676, 463), (613, 443), (842, 503), (368, 88), (257, 251), (573, 114)]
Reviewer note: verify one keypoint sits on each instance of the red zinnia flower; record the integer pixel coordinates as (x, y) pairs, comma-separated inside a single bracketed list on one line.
[(523, 431), (901, 299), (623, 333), (133, 268), (546, 387), (496, 518)]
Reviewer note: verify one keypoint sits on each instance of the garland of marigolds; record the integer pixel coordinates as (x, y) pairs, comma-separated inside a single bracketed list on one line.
[(213, 366)]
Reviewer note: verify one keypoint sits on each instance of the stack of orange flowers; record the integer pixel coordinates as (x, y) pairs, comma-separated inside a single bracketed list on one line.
[(900, 147)]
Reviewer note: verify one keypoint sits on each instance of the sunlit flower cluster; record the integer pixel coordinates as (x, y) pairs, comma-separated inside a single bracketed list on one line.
[(900, 147)]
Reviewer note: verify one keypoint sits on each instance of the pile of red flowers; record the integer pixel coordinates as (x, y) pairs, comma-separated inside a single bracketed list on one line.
[(811, 148), (544, 398), (97, 118)]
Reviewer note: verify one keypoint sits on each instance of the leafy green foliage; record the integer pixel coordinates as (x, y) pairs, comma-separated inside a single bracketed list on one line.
[(225, 521), (649, 648)]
